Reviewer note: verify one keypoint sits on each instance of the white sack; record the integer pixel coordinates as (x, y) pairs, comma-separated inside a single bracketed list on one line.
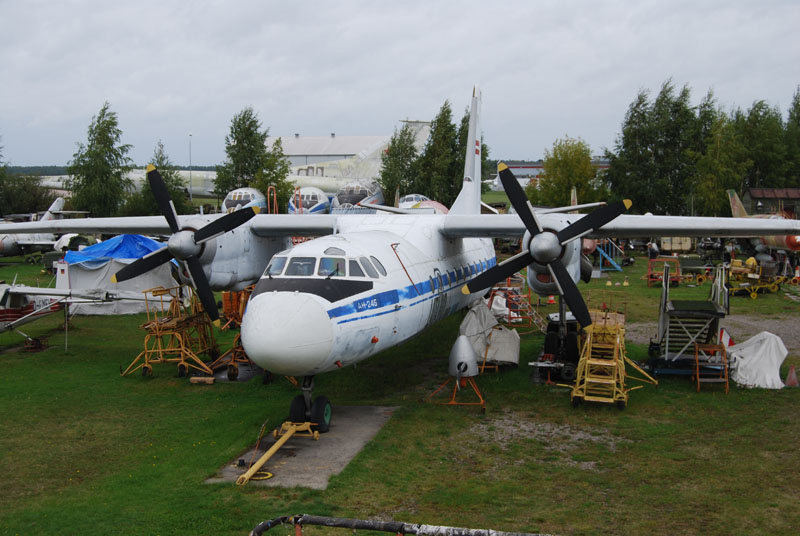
[(490, 340), (757, 361)]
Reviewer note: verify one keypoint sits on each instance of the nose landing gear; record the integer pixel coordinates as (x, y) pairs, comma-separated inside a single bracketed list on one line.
[(305, 408)]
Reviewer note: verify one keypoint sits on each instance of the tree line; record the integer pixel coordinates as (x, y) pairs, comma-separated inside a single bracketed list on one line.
[(98, 172), (674, 158)]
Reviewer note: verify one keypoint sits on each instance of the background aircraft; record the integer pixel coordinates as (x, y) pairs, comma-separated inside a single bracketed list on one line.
[(14, 244), (789, 243), (369, 282)]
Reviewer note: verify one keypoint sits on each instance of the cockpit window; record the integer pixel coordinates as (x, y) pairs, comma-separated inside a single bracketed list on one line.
[(334, 251), (275, 266), (368, 267), (355, 269), (301, 266), (331, 266), (378, 265)]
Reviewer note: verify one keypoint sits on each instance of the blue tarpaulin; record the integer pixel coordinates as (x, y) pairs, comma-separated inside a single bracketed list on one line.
[(126, 246)]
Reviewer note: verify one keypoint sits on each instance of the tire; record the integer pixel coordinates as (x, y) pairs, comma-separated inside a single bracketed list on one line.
[(568, 372), (321, 413), (297, 411), (233, 372), (147, 371), (621, 404), (577, 401), (183, 370)]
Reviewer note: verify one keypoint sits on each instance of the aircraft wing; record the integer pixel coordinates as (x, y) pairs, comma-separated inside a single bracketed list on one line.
[(154, 225), (89, 294), (624, 226)]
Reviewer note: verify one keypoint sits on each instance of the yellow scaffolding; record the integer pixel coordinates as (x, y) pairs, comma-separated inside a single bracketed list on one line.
[(177, 332), (601, 374)]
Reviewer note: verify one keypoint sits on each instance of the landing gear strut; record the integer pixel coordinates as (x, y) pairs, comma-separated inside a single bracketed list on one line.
[(305, 408)]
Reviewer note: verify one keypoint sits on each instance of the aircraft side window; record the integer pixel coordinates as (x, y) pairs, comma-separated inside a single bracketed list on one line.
[(378, 265), (331, 266), (301, 266), (368, 267), (275, 266), (355, 269)]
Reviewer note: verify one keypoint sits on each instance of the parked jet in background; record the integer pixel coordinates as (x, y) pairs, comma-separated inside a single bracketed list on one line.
[(14, 244), (788, 243)]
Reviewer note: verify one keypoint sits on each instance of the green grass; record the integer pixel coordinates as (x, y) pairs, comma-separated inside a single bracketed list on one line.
[(85, 451)]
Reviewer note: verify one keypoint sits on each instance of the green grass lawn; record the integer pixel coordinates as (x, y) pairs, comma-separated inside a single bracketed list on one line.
[(85, 451)]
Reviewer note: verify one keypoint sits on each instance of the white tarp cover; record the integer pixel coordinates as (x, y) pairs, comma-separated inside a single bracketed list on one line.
[(757, 361), (497, 343), (86, 276)]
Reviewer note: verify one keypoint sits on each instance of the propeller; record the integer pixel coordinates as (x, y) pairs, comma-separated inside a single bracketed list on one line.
[(185, 245), (546, 247)]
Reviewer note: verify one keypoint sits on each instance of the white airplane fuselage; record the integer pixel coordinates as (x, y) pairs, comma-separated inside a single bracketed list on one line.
[(308, 324)]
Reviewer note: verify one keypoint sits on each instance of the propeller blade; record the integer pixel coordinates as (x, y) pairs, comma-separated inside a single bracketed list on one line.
[(160, 192), (203, 289), (569, 290), (518, 199), (505, 269), (593, 220), (224, 224), (145, 264)]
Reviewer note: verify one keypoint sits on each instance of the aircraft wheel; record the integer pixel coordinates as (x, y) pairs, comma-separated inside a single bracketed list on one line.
[(321, 412), (147, 371), (297, 411), (233, 372), (183, 370)]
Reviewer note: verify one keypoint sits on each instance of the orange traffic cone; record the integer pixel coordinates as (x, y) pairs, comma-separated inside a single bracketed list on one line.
[(551, 300), (791, 378)]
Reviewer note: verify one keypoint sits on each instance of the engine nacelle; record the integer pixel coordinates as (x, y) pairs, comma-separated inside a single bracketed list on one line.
[(539, 278)]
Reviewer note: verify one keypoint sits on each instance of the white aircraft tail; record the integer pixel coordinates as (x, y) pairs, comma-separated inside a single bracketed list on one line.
[(57, 206), (469, 199)]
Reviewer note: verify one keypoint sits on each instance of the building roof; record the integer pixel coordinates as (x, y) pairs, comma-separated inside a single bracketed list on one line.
[(774, 193)]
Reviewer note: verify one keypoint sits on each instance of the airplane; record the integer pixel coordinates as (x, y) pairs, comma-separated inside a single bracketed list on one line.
[(370, 282), (244, 198), (312, 200), (20, 304), (789, 243), (14, 244)]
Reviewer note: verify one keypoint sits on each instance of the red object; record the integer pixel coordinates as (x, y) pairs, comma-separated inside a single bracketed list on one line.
[(791, 378), (374, 339)]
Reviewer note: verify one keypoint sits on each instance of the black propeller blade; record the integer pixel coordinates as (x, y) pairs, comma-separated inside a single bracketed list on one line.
[(546, 246), (184, 244), (145, 264), (224, 224)]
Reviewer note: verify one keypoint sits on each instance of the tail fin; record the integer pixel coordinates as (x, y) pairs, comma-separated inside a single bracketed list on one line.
[(469, 199), (57, 205), (737, 208)]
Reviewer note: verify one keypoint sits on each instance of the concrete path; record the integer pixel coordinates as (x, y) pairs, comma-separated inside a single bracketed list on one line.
[(307, 463)]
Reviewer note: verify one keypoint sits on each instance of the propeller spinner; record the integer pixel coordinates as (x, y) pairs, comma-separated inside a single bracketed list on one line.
[(546, 247), (185, 245)]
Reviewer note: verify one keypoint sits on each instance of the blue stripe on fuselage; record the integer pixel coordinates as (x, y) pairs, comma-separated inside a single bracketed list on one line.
[(421, 291)]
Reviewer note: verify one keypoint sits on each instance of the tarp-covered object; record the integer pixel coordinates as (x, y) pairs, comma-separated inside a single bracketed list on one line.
[(757, 361), (496, 343), (93, 267)]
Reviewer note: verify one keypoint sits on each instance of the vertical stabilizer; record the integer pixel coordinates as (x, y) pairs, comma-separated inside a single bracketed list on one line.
[(57, 205), (469, 199), (737, 208)]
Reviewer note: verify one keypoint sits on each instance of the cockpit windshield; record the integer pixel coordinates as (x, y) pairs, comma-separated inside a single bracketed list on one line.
[(275, 266), (301, 266), (328, 266), (331, 267)]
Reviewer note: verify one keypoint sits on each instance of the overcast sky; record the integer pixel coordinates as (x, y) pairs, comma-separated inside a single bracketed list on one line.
[(547, 69)]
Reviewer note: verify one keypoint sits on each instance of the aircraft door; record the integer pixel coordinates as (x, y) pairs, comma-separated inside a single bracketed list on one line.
[(439, 302)]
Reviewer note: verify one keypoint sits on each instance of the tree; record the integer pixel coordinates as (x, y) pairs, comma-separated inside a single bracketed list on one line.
[(438, 161), (761, 130), (245, 147), (793, 142), (398, 164), (98, 169), (568, 166), (249, 163), (143, 202), (274, 171), (22, 193)]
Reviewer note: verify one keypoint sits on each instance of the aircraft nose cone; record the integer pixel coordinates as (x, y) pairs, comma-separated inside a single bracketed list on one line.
[(287, 333)]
